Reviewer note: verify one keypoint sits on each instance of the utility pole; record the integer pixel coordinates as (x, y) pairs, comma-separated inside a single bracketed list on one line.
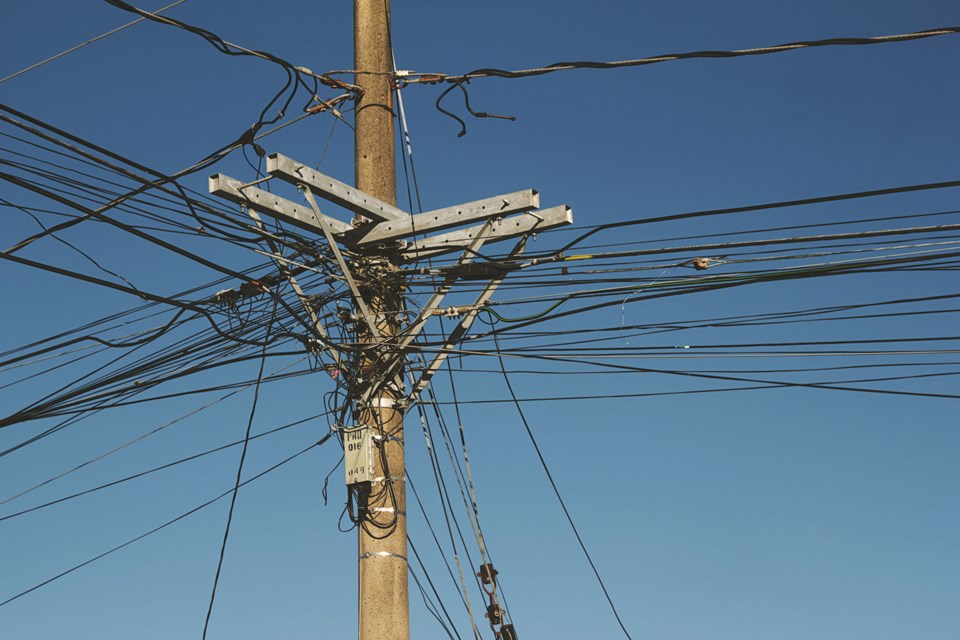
[(371, 360), (384, 604)]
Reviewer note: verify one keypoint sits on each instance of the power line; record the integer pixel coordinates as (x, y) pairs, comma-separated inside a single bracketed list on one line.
[(412, 77), (147, 472), (165, 524), (236, 486), (556, 491), (90, 41)]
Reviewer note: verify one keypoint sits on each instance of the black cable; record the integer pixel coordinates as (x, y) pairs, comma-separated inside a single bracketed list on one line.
[(433, 533), (721, 282), (762, 207), (152, 470), (458, 81), (556, 491), (690, 374), (433, 78), (436, 594), (236, 486), (164, 525), (293, 82)]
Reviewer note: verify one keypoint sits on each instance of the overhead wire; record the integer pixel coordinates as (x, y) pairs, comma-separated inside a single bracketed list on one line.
[(767, 206), (556, 492), (412, 77), (236, 485), (410, 179), (459, 81), (164, 525), (86, 42), (155, 469)]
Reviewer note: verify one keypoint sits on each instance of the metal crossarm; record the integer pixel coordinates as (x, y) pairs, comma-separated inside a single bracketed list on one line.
[(448, 217), (502, 229), (333, 190), (357, 298), (502, 217), (268, 204)]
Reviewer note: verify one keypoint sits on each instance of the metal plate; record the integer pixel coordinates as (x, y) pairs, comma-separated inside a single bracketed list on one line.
[(358, 454)]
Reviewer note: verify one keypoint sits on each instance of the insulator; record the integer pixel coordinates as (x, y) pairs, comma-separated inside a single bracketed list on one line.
[(507, 632), (495, 613)]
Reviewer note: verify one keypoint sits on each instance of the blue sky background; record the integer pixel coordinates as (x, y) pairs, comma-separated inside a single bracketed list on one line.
[(781, 513)]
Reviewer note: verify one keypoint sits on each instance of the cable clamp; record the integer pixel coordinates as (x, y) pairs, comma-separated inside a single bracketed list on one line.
[(383, 403), (452, 312), (382, 554), (391, 478), (431, 78)]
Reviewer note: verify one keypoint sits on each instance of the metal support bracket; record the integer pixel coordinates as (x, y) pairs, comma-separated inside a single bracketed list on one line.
[(503, 229), (448, 217), (268, 204), (415, 327), (461, 329), (333, 190), (357, 298)]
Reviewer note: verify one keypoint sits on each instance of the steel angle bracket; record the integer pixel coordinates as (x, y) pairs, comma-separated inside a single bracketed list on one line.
[(460, 330), (434, 302), (357, 298), (503, 229), (291, 278), (414, 328), (333, 190), (268, 204)]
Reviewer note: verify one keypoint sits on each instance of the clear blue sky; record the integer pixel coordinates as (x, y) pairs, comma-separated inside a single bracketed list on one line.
[(782, 513)]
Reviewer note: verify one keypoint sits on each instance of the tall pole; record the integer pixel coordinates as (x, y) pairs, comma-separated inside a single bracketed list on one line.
[(383, 598)]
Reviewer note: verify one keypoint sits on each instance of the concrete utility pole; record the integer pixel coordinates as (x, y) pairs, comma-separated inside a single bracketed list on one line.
[(373, 442), (384, 604)]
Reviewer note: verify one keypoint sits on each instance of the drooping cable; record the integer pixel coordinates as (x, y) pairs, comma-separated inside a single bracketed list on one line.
[(556, 492), (236, 486)]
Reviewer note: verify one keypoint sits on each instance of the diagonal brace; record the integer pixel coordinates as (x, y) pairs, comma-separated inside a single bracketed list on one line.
[(357, 298), (285, 270), (414, 329), (461, 329)]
